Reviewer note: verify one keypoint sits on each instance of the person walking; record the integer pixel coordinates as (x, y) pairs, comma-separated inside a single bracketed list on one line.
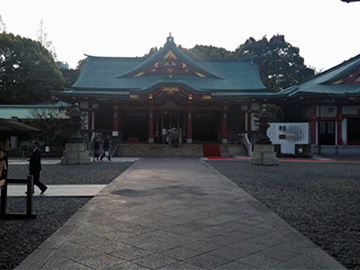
[(106, 147), (96, 150), (35, 166)]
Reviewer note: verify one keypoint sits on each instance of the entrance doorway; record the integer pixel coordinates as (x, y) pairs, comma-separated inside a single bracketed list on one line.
[(136, 125), (327, 132), (353, 131), (165, 120), (205, 127)]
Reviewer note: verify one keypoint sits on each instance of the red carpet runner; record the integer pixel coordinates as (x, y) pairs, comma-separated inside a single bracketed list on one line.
[(211, 150)]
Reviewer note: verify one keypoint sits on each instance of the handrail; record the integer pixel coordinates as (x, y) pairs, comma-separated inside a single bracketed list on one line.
[(244, 140)]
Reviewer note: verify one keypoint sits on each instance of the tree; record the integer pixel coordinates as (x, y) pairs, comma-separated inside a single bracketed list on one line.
[(152, 51), (70, 76), (42, 37), (27, 71), (279, 62), (2, 25), (57, 125), (203, 51)]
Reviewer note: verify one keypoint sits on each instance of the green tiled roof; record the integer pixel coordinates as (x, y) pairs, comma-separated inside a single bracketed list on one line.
[(327, 83), (114, 76), (24, 111)]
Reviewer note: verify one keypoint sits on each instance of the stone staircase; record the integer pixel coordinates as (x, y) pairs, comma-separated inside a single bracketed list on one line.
[(165, 150)]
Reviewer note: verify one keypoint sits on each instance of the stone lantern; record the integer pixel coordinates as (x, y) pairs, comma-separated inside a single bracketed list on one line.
[(264, 152)]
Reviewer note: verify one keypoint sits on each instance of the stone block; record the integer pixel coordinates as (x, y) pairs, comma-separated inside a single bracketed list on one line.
[(264, 154)]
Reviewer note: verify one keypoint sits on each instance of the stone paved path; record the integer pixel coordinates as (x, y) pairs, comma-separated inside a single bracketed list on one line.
[(176, 213)]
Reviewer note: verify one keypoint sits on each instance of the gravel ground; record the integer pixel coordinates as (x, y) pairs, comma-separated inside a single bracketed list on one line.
[(18, 238), (320, 200)]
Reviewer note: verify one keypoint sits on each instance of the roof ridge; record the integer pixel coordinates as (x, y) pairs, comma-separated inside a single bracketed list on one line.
[(170, 45)]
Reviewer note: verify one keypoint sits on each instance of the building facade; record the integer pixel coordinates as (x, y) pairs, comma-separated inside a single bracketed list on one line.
[(211, 100), (330, 103)]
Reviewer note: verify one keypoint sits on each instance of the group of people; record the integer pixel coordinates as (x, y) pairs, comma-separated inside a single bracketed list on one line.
[(106, 148), (172, 136)]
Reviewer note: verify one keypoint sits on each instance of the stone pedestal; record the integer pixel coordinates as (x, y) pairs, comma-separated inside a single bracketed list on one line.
[(264, 154), (75, 153)]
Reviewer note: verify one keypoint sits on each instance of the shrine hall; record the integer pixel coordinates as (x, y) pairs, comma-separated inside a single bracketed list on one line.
[(209, 100), (212, 100)]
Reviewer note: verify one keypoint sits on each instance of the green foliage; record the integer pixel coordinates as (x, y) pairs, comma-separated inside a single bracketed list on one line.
[(152, 51), (70, 76), (57, 125), (280, 63), (27, 71), (202, 51), (274, 112)]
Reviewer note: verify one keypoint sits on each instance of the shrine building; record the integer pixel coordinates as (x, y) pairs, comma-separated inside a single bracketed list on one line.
[(211, 100)]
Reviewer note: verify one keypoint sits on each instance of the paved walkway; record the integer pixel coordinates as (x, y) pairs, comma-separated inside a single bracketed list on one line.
[(57, 190), (176, 213)]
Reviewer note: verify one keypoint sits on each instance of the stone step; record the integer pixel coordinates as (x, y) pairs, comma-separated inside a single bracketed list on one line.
[(165, 150), (157, 150)]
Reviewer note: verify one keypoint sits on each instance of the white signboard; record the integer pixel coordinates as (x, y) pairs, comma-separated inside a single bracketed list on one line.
[(288, 135)]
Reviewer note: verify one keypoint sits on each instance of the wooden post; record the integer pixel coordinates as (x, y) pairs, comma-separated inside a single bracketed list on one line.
[(29, 195), (3, 200)]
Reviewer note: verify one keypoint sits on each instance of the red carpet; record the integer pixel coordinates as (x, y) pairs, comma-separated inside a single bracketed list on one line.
[(211, 150)]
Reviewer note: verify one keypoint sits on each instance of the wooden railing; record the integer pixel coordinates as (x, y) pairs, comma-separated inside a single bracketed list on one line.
[(29, 198)]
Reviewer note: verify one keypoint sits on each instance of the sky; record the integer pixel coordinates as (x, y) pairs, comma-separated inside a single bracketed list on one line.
[(326, 31)]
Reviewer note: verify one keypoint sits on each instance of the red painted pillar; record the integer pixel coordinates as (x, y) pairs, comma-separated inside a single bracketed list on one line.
[(116, 121), (339, 124), (224, 122), (90, 119), (249, 117), (224, 127), (189, 125), (313, 123), (151, 122)]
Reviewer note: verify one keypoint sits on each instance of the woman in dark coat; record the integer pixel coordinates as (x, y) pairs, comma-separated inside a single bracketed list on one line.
[(96, 150), (106, 148)]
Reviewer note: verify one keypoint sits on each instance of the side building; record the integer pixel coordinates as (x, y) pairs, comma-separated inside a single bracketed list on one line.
[(330, 103)]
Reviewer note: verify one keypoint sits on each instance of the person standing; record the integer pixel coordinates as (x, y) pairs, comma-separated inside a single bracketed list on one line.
[(35, 166), (175, 137), (96, 150), (106, 147)]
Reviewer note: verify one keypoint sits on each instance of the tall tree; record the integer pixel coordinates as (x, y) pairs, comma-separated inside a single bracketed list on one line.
[(42, 37), (279, 62), (2, 25), (27, 71), (203, 51)]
